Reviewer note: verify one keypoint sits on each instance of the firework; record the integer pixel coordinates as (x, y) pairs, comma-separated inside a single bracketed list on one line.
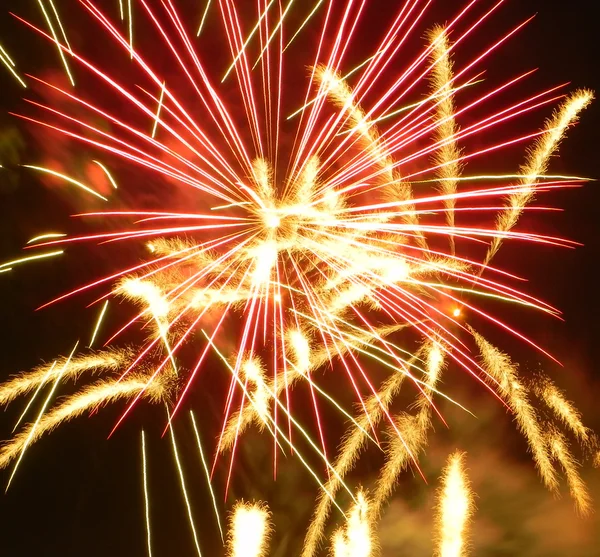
[(455, 509), (249, 531), (325, 237)]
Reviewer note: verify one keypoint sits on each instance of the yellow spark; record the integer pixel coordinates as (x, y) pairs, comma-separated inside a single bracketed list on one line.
[(88, 399), (98, 323), (56, 41), (10, 65), (410, 432), (5, 270), (537, 162), (160, 102), (355, 539), (577, 487), (455, 509), (60, 25), (184, 490), (203, 18), (31, 258), (456, 312), (19, 444), (564, 409), (448, 154), (47, 236), (353, 442), (273, 33), (108, 174), (67, 179), (71, 368), (146, 498), (300, 349), (44, 380), (306, 20), (249, 531), (243, 48), (121, 11), (207, 474), (504, 374), (130, 18)]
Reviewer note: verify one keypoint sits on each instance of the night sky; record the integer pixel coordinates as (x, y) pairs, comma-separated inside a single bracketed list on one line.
[(78, 494)]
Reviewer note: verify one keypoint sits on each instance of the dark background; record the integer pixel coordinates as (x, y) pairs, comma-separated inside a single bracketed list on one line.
[(80, 495)]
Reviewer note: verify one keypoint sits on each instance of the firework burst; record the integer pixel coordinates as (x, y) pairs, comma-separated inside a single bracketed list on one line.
[(328, 236)]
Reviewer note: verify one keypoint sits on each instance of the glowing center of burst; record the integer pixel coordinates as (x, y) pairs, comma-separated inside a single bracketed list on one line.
[(272, 220)]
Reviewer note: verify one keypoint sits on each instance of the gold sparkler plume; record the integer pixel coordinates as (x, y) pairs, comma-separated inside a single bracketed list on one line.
[(579, 492), (106, 361), (411, 434), (249, 531), (564, 410), (88, 399), (454, 510), (376, 407), (501, 370), (448, 154), (395, 189), (537, 163), (355, 539)]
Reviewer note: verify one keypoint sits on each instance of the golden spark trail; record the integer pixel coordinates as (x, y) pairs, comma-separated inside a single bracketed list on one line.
[(26, 438), (207, 474), (98, 323), (204, 14), (56, 41), (108, 174), (447, 158), (31, 258), (562, 408), (160, 103), (537, 162), (577, 487), (130, 26), (454, 510), (249, 531), (34, 396), (66, 178), (354, 540), (412, 430), (70, 368), (10, 66), (504, 374), (146, 497), (60, 25), (183, 489), (88, 399), (48, 236), (352, 443)]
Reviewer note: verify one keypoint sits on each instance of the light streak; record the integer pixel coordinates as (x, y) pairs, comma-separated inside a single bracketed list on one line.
[(22, 447), (204, 14), (98, 323), (55, 37), (108, 174), (66, 178), (10, 66), (184, 491), (31, 258), (48, 236), (455, 508), (160, 102), (207, 474), (34, 396), (146, 496)]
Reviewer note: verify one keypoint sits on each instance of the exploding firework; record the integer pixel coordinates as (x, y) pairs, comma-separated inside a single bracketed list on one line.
[(293, 232)]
